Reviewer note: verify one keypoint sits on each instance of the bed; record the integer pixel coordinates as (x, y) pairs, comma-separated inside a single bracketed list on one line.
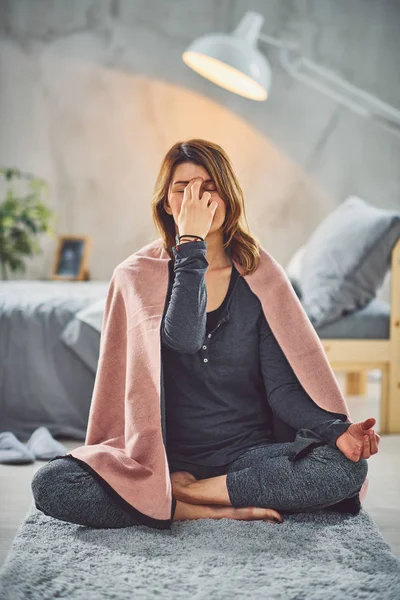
[(49, 349), (47, 356)]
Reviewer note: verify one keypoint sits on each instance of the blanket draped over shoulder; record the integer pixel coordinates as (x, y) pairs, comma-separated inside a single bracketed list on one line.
[(125, 440)]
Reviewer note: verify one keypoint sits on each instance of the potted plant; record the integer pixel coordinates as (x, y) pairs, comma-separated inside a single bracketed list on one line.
[(23, 215)]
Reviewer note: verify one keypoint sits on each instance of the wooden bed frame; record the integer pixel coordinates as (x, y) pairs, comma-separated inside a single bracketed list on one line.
[(357, 356)]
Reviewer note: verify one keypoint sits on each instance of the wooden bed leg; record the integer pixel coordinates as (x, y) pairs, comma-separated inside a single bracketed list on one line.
[(393, 418), (393, 401), (356, 383), (384, 402)]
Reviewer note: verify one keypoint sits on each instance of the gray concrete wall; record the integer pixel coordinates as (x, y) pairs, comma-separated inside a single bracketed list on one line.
[(94, 92)]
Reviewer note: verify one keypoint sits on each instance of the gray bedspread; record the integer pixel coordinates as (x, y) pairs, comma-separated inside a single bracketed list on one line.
[(43, 378)]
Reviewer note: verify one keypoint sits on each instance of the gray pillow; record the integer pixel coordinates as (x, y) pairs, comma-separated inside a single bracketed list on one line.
[(346, 259)]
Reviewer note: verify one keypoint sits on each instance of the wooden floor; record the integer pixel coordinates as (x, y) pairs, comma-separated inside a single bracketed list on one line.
[(382, 501)]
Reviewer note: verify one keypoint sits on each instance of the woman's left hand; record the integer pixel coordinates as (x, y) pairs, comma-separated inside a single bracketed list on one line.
[(359, 441)]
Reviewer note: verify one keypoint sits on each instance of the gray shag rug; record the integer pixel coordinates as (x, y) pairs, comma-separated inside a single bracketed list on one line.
[(320, 555)]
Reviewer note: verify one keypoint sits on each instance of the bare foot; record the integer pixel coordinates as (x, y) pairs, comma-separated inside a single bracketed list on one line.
[(180, 480), (185, 511)]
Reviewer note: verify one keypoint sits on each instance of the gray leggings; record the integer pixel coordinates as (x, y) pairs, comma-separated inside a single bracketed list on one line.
[(262, 476)]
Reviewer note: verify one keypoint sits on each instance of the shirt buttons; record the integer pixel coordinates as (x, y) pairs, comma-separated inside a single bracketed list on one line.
[(205, 359), (204, 347), (209, 335)]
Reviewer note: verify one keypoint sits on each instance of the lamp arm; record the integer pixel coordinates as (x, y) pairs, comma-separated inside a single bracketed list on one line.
[(347, 94), (293, 70), (278, 42)]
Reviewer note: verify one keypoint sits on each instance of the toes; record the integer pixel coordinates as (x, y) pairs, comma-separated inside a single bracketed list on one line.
[(266, 514)]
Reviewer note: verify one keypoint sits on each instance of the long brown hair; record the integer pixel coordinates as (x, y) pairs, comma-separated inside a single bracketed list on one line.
[(244, 247)]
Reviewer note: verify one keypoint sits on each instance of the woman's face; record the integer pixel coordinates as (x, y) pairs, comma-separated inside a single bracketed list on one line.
[(185, 173)]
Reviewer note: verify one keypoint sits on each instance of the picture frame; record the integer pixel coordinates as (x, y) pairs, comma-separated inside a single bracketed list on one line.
[(71, 258)]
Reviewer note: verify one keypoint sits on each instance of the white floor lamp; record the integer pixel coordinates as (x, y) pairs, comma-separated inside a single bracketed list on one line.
[(234, 62)]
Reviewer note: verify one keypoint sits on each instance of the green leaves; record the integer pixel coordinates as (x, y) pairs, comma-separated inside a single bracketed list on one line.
[(22, 218)]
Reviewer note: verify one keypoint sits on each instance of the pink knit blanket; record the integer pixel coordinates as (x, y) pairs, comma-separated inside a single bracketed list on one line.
[(124, 442)]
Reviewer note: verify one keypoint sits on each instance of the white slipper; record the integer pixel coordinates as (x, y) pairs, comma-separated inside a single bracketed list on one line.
[(43, 446), (12, 451)]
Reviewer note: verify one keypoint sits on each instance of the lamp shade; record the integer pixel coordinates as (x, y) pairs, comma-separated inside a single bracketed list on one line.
[(233, 61)]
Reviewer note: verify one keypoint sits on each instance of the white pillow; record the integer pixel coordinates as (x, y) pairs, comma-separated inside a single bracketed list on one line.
[(93, 314)]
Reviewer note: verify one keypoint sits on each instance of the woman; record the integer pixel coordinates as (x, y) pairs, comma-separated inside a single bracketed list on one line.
[(225, 376)]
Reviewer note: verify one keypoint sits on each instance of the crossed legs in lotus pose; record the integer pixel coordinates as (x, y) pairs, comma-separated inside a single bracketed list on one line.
[(263, 481)]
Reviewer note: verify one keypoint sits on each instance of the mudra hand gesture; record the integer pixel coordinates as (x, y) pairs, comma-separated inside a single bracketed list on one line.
[(359, 441)]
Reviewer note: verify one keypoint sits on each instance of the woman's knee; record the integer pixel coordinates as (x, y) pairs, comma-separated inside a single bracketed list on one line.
[(356, 471), (359, 470), (65, 491), (41, 484), (351, 473), (49, 482)]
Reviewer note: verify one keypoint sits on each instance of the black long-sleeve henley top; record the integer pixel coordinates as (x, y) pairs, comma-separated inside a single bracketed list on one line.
[(224, 371)]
